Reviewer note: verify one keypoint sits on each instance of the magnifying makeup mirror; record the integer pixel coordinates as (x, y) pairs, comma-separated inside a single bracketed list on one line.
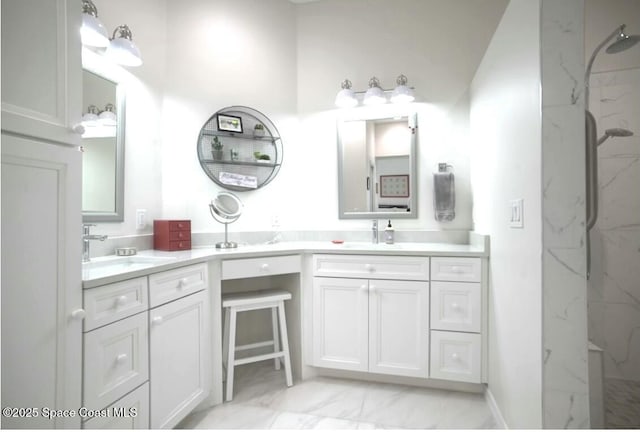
[(226, 208)]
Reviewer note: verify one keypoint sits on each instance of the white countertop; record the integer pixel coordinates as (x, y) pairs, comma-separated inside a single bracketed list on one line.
[(105, 270)]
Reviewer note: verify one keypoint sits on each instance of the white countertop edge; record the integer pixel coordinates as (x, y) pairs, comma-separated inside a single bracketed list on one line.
[(204, 254)]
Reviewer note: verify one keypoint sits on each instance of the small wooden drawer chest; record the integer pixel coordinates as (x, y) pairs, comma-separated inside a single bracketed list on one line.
[(171, 235)]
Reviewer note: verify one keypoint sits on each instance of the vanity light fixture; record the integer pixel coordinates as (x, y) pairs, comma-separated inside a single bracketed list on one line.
[(93, 33), (375, 94), (346, 97), (90, 118), (122, 49), (402, 93), (108, 116)]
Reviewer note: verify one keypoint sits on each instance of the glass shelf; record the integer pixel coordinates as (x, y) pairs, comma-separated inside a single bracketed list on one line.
[(248, 163), (240, 135)]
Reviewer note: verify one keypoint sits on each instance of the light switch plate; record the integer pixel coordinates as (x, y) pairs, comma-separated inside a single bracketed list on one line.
[(516, 217), (141, 219)]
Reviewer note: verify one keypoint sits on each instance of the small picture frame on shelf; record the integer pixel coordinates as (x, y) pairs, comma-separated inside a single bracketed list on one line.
[(229, 123)]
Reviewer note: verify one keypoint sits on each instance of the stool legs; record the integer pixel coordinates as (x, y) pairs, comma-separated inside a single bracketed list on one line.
[(276, 336), (231, 353), (285, 344)]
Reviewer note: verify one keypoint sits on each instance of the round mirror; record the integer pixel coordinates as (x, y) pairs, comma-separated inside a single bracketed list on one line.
[(226, 208)]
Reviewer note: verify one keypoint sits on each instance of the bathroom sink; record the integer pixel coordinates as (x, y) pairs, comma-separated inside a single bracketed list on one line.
[(110, 265)]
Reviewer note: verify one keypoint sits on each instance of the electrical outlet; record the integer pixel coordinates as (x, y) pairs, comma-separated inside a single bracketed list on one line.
[(141, 219), (516, 219), (275, 221)]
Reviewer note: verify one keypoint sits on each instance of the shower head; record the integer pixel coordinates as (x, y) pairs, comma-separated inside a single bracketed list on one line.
[(615, 132), (623, 42)]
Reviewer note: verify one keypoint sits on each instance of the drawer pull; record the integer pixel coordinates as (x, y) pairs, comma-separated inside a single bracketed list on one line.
[(455, 306), (372, 289), (121, 358), (180, 225), (457, 270), (182, 283), (78, 314), (121, 301), (264, 267), (455, 356), (157, 320), (369, 267), (363, 287)]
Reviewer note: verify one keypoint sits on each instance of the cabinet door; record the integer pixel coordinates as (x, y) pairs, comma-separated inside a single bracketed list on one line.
[(179, 358), (340, 323), (399, 327), (41, 285), (42, 69)]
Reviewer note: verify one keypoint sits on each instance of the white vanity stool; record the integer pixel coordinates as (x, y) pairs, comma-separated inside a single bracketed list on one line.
[(249, 301)]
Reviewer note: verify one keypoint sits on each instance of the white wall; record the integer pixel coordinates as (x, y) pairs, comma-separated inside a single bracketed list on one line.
[(144, 87), (505, 165), (288, 61), (359, 39), (220, 54)]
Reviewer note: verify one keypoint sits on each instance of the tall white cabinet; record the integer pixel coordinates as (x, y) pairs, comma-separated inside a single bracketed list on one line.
[(41, 211)]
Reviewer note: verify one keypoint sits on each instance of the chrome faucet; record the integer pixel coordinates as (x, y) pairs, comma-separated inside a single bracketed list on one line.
[(374, 228), (86, 237)]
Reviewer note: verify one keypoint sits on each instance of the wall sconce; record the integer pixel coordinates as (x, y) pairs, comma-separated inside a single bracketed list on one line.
[(108, 116), (375, 94), (93, 33), (122, 49), (90, 118)]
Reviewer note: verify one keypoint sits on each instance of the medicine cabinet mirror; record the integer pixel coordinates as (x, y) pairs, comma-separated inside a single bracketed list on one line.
[(377, 168), (103, 149)]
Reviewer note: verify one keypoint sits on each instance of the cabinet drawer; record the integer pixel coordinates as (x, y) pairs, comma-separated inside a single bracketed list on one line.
[(173, 284), (455, 356), (255, 267), (180, 225), (456, 269), (116, 360), (180, 236), (455, 306), (113, 302), (371, 267), (128, 413)]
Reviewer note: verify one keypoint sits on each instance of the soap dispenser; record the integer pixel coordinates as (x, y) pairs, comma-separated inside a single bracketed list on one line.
[(388, 233)]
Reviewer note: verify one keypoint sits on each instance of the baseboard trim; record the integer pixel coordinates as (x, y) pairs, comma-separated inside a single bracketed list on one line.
[(495, 410)]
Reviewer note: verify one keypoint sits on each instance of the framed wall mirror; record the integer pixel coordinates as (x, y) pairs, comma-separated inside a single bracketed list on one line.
[(377, 168), (103, 149)]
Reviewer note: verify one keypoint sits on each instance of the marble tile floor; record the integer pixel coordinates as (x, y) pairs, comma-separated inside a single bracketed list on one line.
[(262, 401), (622, 404)]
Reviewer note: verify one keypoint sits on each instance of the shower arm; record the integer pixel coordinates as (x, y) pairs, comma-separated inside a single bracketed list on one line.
[(587, 74)]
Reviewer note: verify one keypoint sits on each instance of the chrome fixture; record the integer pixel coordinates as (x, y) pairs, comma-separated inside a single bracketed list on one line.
[(86, 238), (122, 49), (374, 228), (622, 43), (375, 94), (93, 33), (615, 132), (346, 97), (108, 116)]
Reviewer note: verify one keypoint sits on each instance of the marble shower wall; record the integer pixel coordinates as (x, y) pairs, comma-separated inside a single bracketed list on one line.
[(565, 395), (614, 287)]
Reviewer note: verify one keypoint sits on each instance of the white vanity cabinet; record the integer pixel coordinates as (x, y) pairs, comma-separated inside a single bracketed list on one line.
[(370, 313), (146, 361), (178, 328), (456, 319)]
